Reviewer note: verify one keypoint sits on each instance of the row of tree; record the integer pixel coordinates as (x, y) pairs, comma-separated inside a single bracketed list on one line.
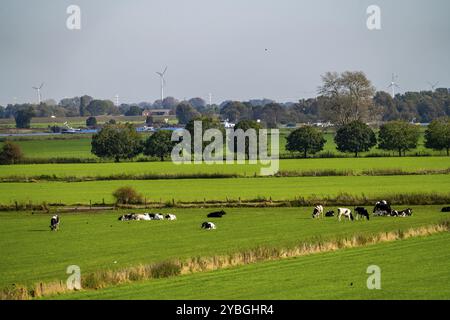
[(356, 137), (342, 98), (122, 142)]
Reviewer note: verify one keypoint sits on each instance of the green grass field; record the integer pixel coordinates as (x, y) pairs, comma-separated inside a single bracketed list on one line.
[(70, 148), (410, 164), (189, 190), (31, 253), (410, 269)]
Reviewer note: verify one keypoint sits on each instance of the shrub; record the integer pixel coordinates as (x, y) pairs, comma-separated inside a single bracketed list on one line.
[(91, 122), (11, 153), (165, 270), (127, 195)]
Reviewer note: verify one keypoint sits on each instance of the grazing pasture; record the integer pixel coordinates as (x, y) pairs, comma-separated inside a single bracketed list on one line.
[(190, 190), (417, 268), (96, 241)]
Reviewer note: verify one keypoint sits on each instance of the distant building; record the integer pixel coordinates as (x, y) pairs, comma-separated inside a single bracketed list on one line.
[(228, 125), (156, 112)]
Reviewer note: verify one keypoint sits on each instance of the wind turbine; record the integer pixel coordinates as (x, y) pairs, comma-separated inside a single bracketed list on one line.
[(38, 90), (433, 85), (163, 82), (393, 85)]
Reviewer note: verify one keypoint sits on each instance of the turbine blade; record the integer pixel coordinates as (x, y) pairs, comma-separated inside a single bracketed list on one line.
[(165, 70)]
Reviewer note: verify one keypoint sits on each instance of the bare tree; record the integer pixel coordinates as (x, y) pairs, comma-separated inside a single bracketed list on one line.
[(348, 96)]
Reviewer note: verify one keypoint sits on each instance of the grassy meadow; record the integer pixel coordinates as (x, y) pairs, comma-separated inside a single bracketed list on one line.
[(96, 241), (410, 269)]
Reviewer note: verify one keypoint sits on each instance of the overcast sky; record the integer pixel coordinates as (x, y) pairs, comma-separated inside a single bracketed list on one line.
[(216, 46)]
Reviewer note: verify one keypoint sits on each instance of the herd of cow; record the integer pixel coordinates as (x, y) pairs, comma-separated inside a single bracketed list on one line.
[(171, 217), (382, 208)]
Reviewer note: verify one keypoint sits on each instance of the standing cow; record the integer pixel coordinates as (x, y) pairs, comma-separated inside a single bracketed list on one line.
[(318, 211), (361, 212), (347, 213), (54, 223)]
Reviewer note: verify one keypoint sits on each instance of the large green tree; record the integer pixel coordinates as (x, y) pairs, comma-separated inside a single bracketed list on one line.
[(305, 140), (437, 135), (355, 137), (116, 142), (349, 96), (245, 125), (186, 112), (91, 122), (398, 135), (133, 111), (23, 117), (159, 144), (101, 107)]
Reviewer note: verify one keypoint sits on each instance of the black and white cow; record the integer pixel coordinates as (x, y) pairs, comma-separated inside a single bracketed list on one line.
[(127, 217), (208, 226), (318, 211), (158, 216), (361, 212), (216, 214), (171, 217), (329, 214), (347, 213), (382, 208), (54, 223), (405, 213), (445, 209)]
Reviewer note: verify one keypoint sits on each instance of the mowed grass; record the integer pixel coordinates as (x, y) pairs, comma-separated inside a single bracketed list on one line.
[(416, 268), (31, 253), (407, 164), (193, 190), (65, 148)]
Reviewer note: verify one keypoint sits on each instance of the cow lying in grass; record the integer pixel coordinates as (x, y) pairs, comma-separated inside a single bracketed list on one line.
[(208, 226), (347, 213), (171, 217), (142, 217), (445, 209), (404, 213), (54, 223), (329, 214), (317, 212), (361, 212), (216, 214)]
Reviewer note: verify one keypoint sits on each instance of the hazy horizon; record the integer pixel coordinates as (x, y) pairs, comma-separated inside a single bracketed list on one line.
[(233, 49)]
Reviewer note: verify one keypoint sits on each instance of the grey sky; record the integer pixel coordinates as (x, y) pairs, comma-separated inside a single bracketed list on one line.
[(216, 46)]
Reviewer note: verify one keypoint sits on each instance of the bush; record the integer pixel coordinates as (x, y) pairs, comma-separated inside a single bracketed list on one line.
[(11, 153), (91, 122), (127, 195)]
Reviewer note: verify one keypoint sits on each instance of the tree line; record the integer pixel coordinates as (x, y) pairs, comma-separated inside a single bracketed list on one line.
[(342, 98), (121, 141), (356, 137)]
